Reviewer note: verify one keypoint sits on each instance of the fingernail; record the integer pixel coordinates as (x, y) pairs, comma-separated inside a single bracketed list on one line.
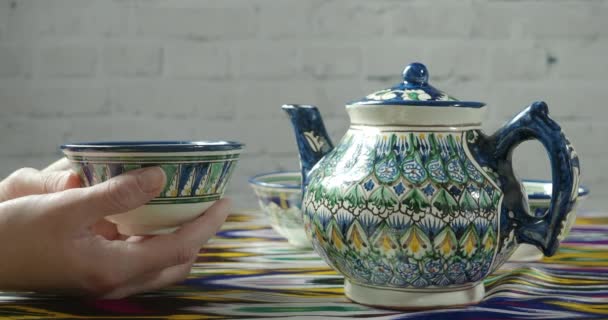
[(151, 179)]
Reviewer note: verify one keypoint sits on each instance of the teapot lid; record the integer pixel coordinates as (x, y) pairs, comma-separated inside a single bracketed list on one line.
[(415, 91)]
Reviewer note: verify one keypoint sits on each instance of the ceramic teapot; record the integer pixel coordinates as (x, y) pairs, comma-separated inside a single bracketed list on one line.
[(416, 205)]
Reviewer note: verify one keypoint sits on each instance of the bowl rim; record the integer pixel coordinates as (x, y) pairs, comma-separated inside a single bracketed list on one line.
[(153, 146), (583, 191), (255, 180)]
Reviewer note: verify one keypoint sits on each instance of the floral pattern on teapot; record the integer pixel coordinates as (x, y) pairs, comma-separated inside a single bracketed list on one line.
[(420, 213)]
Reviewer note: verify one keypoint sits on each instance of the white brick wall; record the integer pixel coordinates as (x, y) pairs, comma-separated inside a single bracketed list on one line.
[(204, 69)]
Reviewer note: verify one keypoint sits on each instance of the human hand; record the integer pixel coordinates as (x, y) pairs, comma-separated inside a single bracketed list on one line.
[(59, 241), (27, 181)]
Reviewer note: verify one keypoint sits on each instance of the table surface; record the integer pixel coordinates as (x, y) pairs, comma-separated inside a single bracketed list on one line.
[(248, 271)]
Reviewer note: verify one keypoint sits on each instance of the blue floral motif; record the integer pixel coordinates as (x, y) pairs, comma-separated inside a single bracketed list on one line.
[(442, 281), (472, 172), (359, 270), (399, 189), (420, 283), (475, 271), (413, 171), (433, 269), (455, 191), (429, 190), (387, 171), (456, 171), (473, 189), (485, 268), (456, 271), (489, 190), (436, 171), (369, 185), (381, 272), (407, 271)]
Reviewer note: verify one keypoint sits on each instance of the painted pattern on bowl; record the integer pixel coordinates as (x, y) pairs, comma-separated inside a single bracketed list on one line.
[(279, 196), (197, 175)]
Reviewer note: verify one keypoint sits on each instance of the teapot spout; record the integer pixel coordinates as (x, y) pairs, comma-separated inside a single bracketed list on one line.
[(313, 141)]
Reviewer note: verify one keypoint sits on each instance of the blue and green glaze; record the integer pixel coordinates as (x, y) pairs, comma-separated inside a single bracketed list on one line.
[(412, 211), (196, 171), (187, 182), (402, 204)]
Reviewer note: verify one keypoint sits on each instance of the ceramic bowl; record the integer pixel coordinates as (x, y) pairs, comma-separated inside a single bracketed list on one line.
[(279, 195), (197, 174), (539, 198)]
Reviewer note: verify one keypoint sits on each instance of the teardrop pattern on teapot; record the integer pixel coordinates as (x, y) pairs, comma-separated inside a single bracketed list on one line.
[(420, 214)]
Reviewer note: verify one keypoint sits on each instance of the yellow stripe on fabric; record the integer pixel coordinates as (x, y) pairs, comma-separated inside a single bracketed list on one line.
[(31, 313), (584, 307), (591, 221)]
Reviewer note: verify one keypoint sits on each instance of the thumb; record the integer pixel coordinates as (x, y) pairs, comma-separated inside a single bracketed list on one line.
[(117, 195), (28, 181)]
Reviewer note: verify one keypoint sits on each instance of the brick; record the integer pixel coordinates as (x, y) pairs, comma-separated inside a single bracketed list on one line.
[(349, 19), (4, 14), (333, 95), (18, 20), (68, 18), (23, 137), (24, 98), (14, 61), (64, 18), (263, 99), (432, 20), (183, 99), (587, 137), (518, 61), (579, 59), (450, 60), (197, 61), (386, 66), (495, 20), (567, 99), (267, 61), (132, 127), (336, 128), (68, 61), (38, 161), (537, 20), (197, 23), (530, 161), (132, 61), (324, 62), (266, 135), (276, 24)]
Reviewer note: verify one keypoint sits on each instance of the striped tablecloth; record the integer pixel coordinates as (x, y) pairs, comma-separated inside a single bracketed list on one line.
[(248, 271)]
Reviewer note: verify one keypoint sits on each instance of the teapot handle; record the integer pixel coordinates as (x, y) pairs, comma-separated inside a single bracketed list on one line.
[(546, 231)]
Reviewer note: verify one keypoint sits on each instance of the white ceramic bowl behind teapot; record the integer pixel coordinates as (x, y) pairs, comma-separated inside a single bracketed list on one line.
[(280, 195), (539, 198)]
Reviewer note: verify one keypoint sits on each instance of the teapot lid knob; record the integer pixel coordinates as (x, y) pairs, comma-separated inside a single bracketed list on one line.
[(416, 73)]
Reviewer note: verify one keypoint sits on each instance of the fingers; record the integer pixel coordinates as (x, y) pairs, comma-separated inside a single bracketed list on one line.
[(106, 229), (28, 181), (153, 281), (120, 194), (160, 252), (59, 165)]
